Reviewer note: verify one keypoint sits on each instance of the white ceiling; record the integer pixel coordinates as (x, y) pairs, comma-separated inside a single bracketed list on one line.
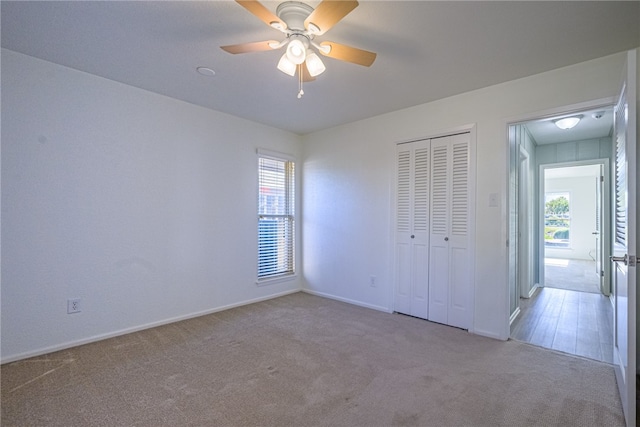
[(426, 50), (596, 123)]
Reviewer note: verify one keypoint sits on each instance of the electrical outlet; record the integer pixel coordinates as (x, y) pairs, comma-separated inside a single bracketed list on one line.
[(73, 306), (372, 281)]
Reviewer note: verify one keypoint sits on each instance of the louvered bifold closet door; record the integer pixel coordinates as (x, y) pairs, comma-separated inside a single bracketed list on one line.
[(449, 274), (412, 224)]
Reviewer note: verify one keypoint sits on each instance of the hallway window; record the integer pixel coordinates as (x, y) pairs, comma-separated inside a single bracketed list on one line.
[(557, 220)]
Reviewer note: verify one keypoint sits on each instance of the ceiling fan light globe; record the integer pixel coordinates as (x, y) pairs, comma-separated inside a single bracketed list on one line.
[(286, 66), (296, 52), (315, 65)]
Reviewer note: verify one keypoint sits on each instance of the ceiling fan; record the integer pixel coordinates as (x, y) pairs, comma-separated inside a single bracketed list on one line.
[(301, 24)]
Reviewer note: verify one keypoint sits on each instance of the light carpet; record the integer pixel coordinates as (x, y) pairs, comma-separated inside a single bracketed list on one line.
[(302, 360), (571, 274)]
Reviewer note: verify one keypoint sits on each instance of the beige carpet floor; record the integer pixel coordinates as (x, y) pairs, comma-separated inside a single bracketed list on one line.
[(302, 360)]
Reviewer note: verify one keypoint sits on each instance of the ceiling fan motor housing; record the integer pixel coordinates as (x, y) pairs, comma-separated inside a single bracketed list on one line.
[(293, 13), (300, 24)]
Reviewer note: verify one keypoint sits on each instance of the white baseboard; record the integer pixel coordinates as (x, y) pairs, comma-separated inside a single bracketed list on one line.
[(514, 315), (488, 334), (534, 289), (348, 301), (120, 332)]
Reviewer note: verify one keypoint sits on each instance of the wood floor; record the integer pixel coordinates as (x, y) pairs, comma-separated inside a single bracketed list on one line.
[(573, 322)]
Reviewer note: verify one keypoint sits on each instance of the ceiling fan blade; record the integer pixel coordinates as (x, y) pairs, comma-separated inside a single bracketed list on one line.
[(261, 12), (349, 54), (249, 47), (306, 76), (328, 13)]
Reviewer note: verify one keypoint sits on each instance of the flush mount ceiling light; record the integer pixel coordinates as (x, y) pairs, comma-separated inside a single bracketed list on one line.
[(567, 122), (301, 24)]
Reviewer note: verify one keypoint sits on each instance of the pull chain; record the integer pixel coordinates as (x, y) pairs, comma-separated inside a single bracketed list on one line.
[(301, 92)]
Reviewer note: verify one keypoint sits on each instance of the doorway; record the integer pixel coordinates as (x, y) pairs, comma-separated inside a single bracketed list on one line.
[(558, 185), (572, 197)]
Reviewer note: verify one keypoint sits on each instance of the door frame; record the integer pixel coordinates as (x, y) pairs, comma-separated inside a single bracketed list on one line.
[(606, 218), (511, 229), (526, 236)]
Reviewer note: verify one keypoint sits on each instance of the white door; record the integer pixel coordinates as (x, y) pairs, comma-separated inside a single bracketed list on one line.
[(412, 221), (624, 241), (449, 272)]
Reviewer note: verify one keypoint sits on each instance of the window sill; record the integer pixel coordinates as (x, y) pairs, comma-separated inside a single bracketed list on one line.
[(276, 279)]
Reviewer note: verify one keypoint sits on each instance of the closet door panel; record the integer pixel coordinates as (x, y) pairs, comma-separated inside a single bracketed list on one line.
[(412, 223), (460, 278), (438, 229), (420, 234), (402, 302)]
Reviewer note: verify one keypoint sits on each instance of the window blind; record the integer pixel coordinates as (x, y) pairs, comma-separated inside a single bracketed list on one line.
[(276, 224)]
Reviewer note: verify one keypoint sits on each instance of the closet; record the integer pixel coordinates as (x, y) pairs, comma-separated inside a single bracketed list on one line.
[(432, 238)]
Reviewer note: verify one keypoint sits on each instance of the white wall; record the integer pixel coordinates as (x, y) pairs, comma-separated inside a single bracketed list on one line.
[(124, 198), (582, 202), (141, 205), (349, 177)]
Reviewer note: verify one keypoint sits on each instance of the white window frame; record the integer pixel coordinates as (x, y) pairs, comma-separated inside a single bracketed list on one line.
[(289, 247)]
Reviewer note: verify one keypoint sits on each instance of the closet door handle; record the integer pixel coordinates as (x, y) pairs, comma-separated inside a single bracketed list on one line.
[(446, 239), (412, 236)]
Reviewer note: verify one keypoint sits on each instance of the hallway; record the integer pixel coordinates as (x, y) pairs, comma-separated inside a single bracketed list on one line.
[(573, 322)]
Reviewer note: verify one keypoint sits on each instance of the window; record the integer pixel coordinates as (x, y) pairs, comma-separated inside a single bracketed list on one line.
[(557, 220), (276, 220)]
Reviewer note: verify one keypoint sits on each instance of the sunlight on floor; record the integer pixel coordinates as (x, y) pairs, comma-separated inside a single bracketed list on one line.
[(556, 262)]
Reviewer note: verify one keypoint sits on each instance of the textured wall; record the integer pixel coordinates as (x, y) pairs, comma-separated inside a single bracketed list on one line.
[(142, 206), (349, 181)]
